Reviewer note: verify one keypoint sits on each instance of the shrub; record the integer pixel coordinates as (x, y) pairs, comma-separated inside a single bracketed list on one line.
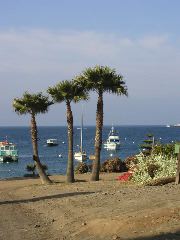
[(32, 168), (152, 169), (130, 162), (154, 166), (113, 165), (81, 168)]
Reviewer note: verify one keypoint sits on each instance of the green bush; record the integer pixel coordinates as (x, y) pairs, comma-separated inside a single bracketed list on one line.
[(81, 168), (152, 169), (113, 165), (154, 166), (130, 162), (32, 168)]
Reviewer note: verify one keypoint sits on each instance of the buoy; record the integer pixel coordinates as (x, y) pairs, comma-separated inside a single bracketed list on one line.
[(60, 155)]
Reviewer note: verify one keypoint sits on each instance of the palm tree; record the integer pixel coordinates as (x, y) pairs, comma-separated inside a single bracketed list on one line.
[(101, 79), (68, 91), (34, 104)]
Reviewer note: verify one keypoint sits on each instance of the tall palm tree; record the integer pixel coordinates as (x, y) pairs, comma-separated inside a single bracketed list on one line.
[(68, 91), (101, 79), (34, 104)]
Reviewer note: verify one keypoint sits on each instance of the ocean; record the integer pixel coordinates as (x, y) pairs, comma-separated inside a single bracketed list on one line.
[(131, 137)]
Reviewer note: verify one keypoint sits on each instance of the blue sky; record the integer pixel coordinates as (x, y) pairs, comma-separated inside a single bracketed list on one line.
[(43, 42)]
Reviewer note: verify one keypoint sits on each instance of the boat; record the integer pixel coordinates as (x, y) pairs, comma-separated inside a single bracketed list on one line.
[(113, 140), (52, 142), (81, 155), (174, 125), (8, 152)]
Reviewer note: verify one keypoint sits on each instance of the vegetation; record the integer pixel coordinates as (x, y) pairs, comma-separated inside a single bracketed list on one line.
[(68, 91), (148, 145), (34, 104), (160, 164), (113, 165), (81, 168), (32, 168), (100, 79)]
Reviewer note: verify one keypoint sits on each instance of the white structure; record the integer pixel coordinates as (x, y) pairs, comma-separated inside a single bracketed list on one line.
[(52, 142), (81, 155), (113, 141)]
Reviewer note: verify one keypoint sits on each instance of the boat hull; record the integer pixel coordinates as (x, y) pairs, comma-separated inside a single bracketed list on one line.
[(5, 159), (80, 157), (110, 146), (52, 144)]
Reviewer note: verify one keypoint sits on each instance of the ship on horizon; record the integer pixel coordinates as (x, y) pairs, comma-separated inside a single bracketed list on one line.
[(174, 125)]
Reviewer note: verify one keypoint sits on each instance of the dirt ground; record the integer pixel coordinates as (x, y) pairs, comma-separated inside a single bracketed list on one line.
[(86, 210)]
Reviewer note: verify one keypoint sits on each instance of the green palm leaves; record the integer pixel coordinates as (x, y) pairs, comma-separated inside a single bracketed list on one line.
[(68, 91), (31, 103), (102, 79)]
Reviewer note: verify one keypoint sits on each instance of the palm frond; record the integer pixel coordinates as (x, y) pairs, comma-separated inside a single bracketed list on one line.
[(102, 78), (36, 103), (68, 90)]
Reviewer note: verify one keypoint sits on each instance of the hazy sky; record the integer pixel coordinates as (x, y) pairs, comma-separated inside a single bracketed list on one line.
[(46, 41)]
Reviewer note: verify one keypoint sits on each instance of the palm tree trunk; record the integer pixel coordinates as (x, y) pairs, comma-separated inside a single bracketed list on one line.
[(42, 174), (70, 164), (98, 138)]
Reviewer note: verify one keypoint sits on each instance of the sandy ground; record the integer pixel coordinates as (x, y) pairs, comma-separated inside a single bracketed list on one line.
[(86, 210)]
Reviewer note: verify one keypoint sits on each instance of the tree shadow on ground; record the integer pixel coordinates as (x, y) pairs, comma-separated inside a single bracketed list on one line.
[(162, 236), (62, 181), (36, 199)]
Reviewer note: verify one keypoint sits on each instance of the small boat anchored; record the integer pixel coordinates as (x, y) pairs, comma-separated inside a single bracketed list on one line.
[(113, 141), (81, 155), (52, 142), (8, 152)]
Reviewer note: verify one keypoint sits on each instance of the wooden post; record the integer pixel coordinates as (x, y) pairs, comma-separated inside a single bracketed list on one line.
[(177, 181)]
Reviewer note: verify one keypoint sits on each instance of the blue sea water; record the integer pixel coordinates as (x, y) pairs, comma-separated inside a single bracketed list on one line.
[(131, 138)]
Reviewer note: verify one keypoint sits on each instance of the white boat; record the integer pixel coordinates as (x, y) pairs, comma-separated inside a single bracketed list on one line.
[(81, 154), (113, 141), (52, 142), (8, 152)]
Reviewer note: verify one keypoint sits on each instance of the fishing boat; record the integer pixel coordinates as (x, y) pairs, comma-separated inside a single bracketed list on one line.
[(113, 140), (52, 142), (8, 152), (81, 154)]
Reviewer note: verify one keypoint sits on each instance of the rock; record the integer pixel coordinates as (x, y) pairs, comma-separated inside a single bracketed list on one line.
[(37, 225), (115, 237)]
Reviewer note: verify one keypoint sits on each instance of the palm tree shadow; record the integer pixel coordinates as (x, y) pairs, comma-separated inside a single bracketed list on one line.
[(62, 195), (61, 181), (162, 236)]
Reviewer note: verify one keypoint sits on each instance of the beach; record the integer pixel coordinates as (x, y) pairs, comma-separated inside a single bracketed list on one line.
[(106, 209)]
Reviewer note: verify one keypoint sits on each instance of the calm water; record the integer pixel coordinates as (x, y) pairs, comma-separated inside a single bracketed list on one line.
[(131, 137)]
